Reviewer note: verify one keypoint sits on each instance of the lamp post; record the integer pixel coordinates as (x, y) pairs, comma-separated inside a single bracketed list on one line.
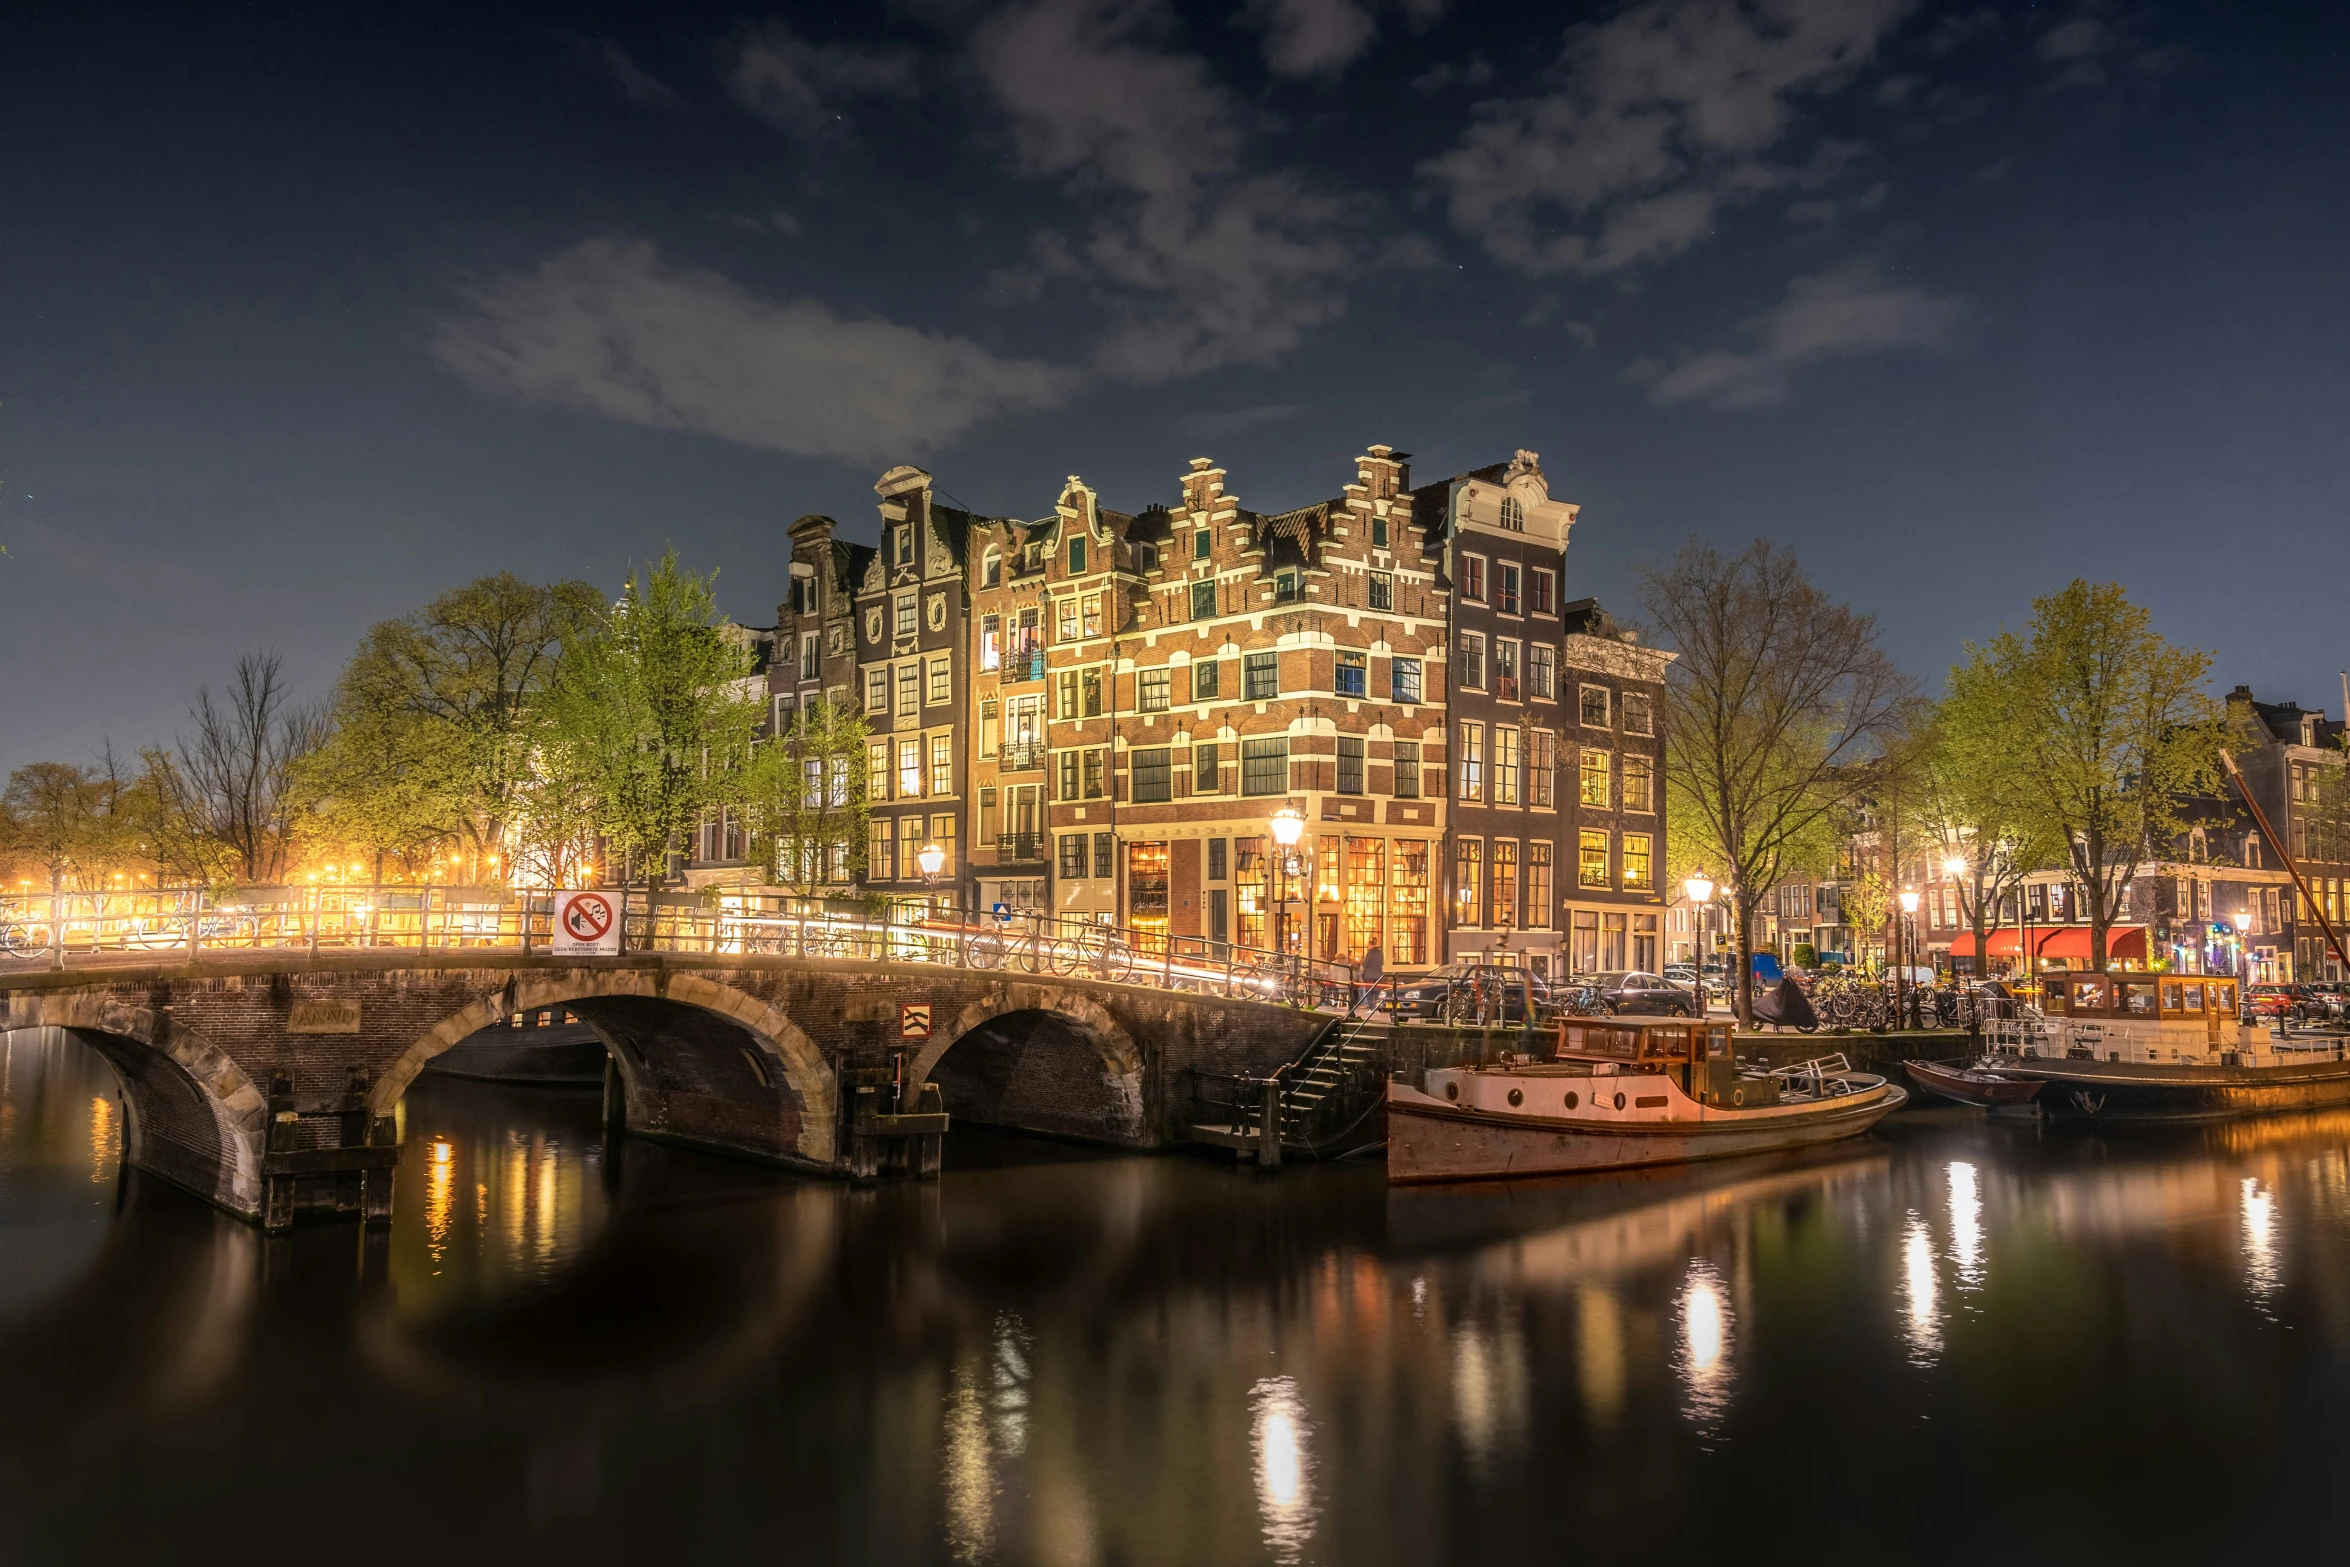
[(1902, 988), (1700, 890), (1288, 828), (2243, 919)]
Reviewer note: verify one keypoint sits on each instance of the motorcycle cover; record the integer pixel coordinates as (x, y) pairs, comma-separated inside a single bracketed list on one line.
[(1787, 1005)]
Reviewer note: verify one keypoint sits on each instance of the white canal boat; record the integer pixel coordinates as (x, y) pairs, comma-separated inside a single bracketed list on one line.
[(1616, 1094)]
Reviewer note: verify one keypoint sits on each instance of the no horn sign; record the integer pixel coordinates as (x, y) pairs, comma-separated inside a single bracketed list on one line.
[(587, 924)]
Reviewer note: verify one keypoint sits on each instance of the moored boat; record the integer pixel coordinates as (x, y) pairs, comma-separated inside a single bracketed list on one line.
[(1972, 1086), (1617, 1095), (2168, 1047)]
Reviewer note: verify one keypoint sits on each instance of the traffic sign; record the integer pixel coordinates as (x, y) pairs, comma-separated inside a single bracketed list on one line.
[(587, 924), (913, 1020), (1003, 913)]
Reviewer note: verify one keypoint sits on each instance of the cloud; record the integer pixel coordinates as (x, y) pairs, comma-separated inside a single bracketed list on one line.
[(1312, 37), (634, 82), (1833, 315), (2088, 47), (1323, 37), (1202, 262), (801, 86), (608, 326), (1658, 120)]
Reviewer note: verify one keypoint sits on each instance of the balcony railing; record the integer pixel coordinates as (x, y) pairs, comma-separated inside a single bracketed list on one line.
[(1021, 756), (1024, 663), (1020, 848)]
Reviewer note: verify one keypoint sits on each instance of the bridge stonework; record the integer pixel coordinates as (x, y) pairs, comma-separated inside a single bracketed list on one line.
[(745, 1055)]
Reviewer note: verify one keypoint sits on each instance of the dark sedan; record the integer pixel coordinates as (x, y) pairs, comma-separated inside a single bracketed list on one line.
[(1465, 991), (1637, 992)]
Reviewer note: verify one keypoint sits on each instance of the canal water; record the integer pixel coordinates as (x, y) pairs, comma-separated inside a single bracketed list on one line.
[(1950, 1341)]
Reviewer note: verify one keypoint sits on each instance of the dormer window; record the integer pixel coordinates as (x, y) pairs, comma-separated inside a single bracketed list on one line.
[(991, 569), (1284, 587), (1146, 557), (905, 542), (1513, 515)]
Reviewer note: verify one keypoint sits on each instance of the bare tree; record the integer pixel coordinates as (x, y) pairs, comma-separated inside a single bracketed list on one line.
[(1777, 697), (230, 785)]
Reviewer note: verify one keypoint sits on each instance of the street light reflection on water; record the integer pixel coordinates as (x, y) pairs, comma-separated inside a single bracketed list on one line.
[(1057, 1356)]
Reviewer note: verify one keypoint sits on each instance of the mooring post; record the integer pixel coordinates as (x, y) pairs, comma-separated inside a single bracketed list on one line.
[(1269, 1128)]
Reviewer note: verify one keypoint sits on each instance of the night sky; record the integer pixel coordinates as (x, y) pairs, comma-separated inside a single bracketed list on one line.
[(308, 313)]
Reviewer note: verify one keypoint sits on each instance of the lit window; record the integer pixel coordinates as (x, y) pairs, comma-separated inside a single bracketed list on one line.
[(1351, 674), (1636, 858), (1595, 781), (1472, 761), (942, 765), (909, 768), (1538, 886), (1505, 765), (991, 633), (1591, 858)]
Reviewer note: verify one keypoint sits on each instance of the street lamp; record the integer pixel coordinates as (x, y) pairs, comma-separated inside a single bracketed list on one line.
[(2243, 919), (1699, 887), (1288, 828), (1902, 989)]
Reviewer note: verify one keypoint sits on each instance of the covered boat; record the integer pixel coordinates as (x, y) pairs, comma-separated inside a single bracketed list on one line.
[(1971, 1085), (2159, 1047), (1619, 1094)]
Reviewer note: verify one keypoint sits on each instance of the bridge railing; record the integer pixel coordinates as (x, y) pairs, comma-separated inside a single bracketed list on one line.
[(189, 923)]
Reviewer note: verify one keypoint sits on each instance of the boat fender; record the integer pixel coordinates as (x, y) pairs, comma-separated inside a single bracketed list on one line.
[(1737, 1097), (1619, 1101), (1452, 1091), (1517, 1098), (1573, 1099)]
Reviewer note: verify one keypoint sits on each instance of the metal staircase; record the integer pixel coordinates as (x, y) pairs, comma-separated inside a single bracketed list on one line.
[(1322, 1104)]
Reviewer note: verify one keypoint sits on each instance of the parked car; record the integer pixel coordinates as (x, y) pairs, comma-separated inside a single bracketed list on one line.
[(1637, 992), (1458, 989), (2293, 1003)]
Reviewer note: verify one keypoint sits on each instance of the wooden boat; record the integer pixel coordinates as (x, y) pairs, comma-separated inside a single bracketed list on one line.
[(1969, 1086), (1620, 1094), (545, 1049), (2167, 1047)]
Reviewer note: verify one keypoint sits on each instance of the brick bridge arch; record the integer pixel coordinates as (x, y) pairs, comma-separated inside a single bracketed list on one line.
[(194, 1117), (1081, 1014), (791, 1056)]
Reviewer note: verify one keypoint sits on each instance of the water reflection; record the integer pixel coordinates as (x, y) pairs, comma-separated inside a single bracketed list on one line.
[(1285, 1499), (2260, 1237), (1704, 1310), (1919, 1290), (1057, 1356), (1966, 1224)]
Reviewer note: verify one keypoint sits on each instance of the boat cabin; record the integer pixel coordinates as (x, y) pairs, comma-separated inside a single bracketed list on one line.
[(1695, 1055), (2194, 1001)]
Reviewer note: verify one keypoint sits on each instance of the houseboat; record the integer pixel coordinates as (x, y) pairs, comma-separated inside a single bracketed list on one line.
[(1617, 1094), (2159, 1047)]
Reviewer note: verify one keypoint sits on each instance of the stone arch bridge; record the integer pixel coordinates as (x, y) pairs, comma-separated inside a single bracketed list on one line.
[(268, 1083)]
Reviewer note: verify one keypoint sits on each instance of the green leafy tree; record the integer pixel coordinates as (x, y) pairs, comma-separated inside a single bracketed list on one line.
[(806, 792), (1775, 697), (1971, 807), (656, 701), (434, 721), (2099, 732)]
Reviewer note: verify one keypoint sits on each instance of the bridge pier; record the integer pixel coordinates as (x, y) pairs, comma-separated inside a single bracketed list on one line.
[(347, 1177)]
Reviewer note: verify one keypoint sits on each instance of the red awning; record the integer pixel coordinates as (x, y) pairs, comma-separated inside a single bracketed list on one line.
[(2123, 943)]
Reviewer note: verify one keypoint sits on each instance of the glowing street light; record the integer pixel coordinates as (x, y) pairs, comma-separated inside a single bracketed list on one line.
[(1288, 827), (931, 859), (1954, 867), (1700, 888)]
